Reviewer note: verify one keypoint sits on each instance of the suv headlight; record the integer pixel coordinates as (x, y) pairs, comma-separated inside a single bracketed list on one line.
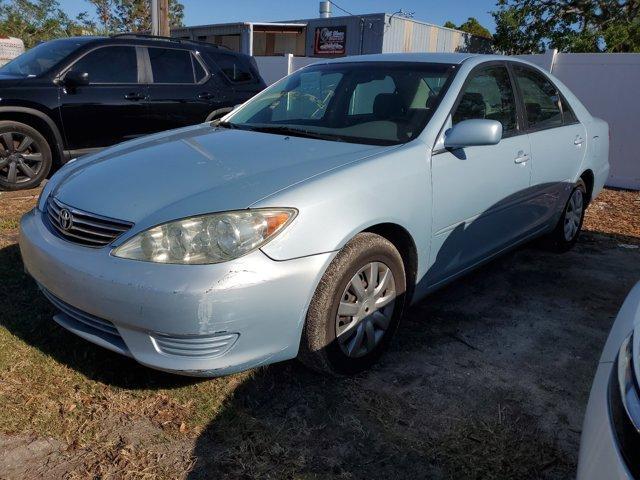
[(206, 239)]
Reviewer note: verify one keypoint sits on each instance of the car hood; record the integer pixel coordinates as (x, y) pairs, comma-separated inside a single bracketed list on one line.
[(195, 170)]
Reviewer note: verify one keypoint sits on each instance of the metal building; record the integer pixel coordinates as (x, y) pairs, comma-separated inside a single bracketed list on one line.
[(336, 36)]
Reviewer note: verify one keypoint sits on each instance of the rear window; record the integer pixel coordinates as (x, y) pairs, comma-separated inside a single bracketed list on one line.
[(236, 69), (201, 73), (169, 65)]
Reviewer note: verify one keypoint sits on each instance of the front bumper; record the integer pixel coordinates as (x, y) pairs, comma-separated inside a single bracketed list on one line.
[(600, 449), (203, 320), (600, 455)]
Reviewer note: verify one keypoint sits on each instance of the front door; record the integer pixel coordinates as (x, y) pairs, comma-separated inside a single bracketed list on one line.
[(479, 193), (112, 107)]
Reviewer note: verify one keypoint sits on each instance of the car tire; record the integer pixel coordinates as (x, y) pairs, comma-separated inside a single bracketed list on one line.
[(352, 319), (25, 156), (566, 233)]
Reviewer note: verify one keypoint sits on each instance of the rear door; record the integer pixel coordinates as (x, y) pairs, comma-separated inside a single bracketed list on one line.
[(480, 193), (558, 140), (182, 91), (112, 107)]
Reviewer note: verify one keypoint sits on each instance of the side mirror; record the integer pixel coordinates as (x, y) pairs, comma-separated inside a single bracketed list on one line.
[(73, 78), (471, 133)]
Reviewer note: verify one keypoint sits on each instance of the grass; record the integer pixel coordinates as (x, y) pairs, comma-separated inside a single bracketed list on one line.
[(9, 224), (53, 384), (111, 418)]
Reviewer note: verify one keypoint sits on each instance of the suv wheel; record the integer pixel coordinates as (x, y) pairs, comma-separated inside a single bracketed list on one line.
[(25, 156)]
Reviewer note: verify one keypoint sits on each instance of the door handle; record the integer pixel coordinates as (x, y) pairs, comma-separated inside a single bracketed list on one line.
[(578, 141), (134, 96), (522, 157), (205, 96)]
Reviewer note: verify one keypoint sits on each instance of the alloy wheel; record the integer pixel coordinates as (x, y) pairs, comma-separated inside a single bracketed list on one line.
[(573, 215), (366, 309), (20, 157)]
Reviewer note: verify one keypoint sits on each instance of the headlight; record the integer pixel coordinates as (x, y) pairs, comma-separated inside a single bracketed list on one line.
[(624, 404), (207, 239)]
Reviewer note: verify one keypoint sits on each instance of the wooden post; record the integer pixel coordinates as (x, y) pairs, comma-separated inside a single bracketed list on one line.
[(163, 17)]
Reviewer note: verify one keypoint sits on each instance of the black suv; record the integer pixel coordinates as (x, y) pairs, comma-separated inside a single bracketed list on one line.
[(71, 96)]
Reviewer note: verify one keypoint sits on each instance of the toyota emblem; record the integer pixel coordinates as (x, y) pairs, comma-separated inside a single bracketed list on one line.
[(66, 220)]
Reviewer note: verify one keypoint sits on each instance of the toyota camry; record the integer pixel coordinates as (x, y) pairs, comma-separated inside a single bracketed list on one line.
[(309, 218)]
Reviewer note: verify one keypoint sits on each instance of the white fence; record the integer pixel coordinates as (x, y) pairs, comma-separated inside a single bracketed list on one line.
[(273, 69), (607, 84)]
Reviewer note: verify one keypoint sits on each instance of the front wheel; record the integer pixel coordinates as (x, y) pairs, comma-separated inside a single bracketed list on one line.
[(356, 307), (25, 156), (568, 229)]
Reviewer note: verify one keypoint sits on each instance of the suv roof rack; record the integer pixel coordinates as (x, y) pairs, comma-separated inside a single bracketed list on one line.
[(167, 39)]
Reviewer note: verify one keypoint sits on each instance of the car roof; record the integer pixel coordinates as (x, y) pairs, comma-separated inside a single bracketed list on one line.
[(449, 58), (142, 39)]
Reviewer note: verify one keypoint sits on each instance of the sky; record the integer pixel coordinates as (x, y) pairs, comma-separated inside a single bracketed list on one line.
[(199, 12)]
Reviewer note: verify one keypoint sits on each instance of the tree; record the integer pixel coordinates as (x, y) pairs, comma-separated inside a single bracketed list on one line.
[(528, 26), (35, 21), (472, 26), (131, 15)]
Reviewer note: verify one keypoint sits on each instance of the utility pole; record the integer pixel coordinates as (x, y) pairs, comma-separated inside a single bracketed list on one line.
[(160, 18)]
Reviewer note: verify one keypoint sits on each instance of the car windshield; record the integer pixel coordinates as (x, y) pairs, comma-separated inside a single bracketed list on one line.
[(41, 58), (380, 103)]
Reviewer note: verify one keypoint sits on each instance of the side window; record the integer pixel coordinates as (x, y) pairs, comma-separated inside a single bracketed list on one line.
[(568, 117), (489, 94), (201, 73), (540, 97), (109, 65), (234, 68), (169, 65), (365, 94)]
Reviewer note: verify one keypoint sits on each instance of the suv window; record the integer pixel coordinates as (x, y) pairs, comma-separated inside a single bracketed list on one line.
[(201, 73), (234, 68), (489, 94), (540, 97), (41, 58), (170, 65), (116, 64)]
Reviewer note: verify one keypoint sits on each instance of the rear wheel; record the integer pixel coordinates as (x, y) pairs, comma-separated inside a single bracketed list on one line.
[(568, 229), (25, 156), (356, 308)]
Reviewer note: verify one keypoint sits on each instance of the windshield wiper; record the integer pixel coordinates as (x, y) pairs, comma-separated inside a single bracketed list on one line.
[(225, 124), (295, 132)]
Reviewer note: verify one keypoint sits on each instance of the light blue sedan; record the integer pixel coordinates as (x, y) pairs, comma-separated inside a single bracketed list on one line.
[(306, 221)]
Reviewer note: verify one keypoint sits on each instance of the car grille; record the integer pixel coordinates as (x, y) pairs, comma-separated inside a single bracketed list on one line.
[(98, 325), (83, 228)]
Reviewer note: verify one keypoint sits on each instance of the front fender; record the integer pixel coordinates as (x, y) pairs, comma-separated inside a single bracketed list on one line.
[(392, 187)]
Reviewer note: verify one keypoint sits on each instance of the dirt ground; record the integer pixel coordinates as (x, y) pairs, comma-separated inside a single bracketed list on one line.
[(487, 379)]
